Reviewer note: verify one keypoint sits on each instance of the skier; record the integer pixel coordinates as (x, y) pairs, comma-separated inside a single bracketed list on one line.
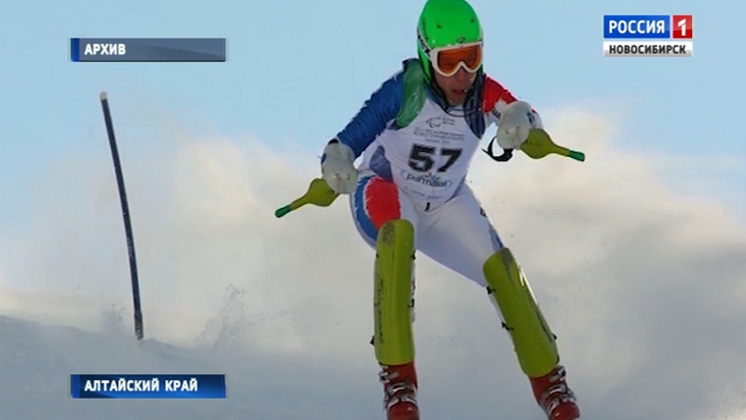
[(417, 134)]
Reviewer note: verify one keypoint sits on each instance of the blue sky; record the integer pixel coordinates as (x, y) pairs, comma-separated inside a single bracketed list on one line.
[(298, 70)]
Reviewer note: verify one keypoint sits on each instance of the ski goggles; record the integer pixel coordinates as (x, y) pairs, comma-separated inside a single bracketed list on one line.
[(447, 60)]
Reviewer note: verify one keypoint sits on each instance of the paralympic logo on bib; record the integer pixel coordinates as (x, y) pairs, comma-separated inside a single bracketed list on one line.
[(429, 180)]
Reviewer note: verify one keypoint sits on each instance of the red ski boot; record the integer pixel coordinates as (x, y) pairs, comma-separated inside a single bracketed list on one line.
[(400, 392), (554, 396)]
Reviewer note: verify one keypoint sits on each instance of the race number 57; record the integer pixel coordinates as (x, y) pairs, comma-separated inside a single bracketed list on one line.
[(421, 158), (681, 27)]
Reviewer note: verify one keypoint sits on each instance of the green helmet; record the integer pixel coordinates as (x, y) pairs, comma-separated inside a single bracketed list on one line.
[(443, 23)]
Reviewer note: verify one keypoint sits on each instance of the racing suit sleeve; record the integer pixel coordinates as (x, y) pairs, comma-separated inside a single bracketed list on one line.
[(494, 100), (377, 112)]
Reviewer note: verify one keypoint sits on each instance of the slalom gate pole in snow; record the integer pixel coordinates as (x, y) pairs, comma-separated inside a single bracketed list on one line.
[(125, 215)]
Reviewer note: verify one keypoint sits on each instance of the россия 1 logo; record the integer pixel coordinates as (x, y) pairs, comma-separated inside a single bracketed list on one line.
[(648, 36)]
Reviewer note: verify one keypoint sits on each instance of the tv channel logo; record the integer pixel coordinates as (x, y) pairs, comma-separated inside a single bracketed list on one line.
[(648, 36)]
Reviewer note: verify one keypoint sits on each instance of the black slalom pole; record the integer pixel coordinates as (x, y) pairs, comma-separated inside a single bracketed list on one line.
[(125, 215)]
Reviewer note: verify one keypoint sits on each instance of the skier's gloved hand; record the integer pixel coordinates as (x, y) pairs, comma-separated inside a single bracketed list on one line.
[(516, 122), (337, 167)]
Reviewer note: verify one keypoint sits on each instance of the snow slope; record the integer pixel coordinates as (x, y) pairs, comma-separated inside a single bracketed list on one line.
[(38, 359)]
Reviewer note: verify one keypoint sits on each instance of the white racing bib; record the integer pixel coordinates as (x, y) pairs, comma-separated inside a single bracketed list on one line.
[(429, 158)]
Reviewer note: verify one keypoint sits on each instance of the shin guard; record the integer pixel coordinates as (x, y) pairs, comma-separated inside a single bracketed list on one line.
[(509, 290), (392, 337)]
